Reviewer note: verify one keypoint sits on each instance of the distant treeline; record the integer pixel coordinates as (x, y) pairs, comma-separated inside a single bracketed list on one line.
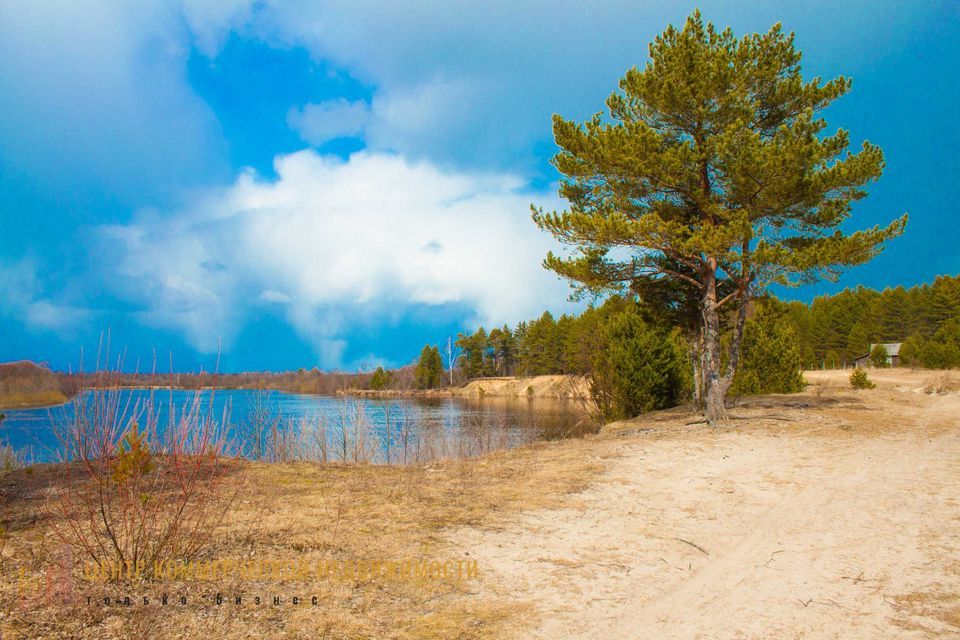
[(300, 381), (637, 359), (830, 332), (836, 329)]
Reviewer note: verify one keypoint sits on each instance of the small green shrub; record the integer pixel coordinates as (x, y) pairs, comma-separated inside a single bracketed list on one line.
[(770, 358), (860, 380)]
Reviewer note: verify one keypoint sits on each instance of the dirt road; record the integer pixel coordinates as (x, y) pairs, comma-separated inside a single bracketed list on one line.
[(831, 514)]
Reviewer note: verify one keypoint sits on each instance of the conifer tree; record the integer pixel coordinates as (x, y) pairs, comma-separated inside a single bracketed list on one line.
[(942, 350), (879, 356), (429, 370), (435, 366), (474, 350), (645, 367), (380, 380), (858, 341), (771, 355), (712, 171), (945, 299)]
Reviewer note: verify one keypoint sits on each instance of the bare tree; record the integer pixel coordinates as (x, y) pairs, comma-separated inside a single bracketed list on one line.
[(453, 354)]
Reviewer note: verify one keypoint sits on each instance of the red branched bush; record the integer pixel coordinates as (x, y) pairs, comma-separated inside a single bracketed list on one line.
[(132, 492)]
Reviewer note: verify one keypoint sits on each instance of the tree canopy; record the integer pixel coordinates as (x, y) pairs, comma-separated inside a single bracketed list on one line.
[(709, 179)]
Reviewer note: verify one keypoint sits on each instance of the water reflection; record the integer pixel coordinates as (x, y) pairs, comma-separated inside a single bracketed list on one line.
[(276, 426)]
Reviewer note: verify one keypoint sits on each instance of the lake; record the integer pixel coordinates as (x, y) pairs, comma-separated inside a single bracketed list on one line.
[(277, 426)]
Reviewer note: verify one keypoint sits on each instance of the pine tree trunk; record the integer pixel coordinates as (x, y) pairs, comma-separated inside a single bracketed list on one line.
[(714, 385), (697, 378)]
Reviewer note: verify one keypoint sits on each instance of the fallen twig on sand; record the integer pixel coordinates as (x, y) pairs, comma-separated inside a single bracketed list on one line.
[(673, 566), (829, 603), (694, 545), (767, 563)]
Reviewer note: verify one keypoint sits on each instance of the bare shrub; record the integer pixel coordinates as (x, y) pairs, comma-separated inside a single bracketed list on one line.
[(12, 459), (593, 401), (132, 494), (258, 427), (942, 383), (820, 387), (352, 433)]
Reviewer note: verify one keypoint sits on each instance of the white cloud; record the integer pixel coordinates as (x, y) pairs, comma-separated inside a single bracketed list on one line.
[(337, 242), (487, 76), (212, 21), (21, 298), (467, 85), (318, 123), (421, 120), (278, 297)]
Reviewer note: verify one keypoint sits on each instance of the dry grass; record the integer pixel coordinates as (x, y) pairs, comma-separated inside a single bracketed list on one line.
[(312, 512), (26, 400), (309, 512), (943, 382)]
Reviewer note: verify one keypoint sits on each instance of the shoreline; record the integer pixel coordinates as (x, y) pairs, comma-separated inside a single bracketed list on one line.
[(548, 387), (552, 387), (44, 403)]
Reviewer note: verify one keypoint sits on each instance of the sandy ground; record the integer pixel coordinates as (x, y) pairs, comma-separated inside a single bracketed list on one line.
[(554, 386), (547, 387), (830, 514)]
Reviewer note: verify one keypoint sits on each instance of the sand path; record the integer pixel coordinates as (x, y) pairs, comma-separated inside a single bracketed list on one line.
[(836, 521)]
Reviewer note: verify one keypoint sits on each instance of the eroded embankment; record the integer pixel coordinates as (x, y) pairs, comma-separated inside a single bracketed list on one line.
[(556, 387)]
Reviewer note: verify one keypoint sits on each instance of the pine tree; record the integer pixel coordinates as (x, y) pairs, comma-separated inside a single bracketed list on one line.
[(945, 302), (942, 350), (858, 341), (435, 366), (645, 367), (542, 350), (712, 172), (429, 370), (879, 356), (895, 314), (503, 351), (380, 380), (132, 458), (911, 351), (474, 353)]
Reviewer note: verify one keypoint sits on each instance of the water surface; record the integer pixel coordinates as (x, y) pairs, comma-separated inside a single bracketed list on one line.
[(273, 424)]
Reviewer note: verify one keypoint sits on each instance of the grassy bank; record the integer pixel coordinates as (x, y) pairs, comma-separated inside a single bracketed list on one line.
[(307, 513), (27, 400), (26, 384)]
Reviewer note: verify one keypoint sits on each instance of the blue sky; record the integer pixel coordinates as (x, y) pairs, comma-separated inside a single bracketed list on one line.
[(334, 184)]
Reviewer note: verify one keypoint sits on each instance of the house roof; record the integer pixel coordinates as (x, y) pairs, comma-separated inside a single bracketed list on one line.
[(893, 349)]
